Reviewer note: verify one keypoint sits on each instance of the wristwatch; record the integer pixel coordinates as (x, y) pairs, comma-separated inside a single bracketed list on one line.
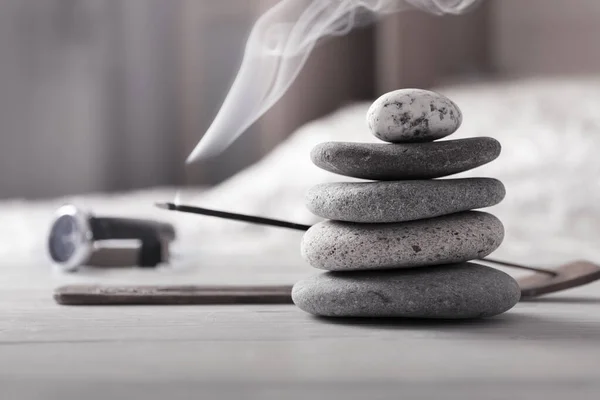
[(78, 238)]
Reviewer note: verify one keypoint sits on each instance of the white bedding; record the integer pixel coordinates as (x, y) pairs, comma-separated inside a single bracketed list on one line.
[(549, 129), (550, 133)]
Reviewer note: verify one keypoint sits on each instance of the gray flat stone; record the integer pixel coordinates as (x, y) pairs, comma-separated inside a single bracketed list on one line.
[(400, 201), (389, 162), (453, 291), (346, 246), (413, 115)]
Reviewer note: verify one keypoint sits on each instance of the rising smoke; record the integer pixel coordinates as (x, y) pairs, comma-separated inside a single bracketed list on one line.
[(278, 47)]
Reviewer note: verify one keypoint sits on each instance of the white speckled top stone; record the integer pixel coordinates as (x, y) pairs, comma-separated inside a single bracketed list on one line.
[(413, 115)]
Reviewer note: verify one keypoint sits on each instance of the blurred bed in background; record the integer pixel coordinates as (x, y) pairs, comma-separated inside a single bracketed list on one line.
[(104, 96), (110, 97), (549, 165)]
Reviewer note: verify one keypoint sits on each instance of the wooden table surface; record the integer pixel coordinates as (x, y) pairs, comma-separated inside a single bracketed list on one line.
[(547, 349)]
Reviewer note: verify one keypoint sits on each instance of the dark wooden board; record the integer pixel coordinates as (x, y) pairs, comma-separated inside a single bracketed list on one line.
[(75, 295), (567, 276)]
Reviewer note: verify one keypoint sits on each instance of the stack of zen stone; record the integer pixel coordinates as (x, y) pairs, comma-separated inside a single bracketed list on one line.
[(398, 246)]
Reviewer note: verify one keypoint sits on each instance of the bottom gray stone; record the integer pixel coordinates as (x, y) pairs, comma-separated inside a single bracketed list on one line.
[(452, 291)]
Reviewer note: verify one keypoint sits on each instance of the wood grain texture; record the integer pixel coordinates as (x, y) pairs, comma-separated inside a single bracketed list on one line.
[(543, 349), (540, 349), (544, 37), (93, 295), (567, 276), (416, 49)]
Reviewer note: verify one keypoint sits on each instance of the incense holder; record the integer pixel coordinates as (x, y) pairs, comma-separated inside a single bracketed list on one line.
[(399, 247), (386, 162), (413, 115), (400, 201)]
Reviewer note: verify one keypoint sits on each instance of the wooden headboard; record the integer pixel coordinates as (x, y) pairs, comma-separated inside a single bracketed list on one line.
[(415, 49), (545, 37), (500, 38), (412, 49), (130, 86)]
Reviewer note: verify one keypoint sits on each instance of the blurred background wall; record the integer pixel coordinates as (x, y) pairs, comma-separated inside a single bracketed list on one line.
[(100, 95)]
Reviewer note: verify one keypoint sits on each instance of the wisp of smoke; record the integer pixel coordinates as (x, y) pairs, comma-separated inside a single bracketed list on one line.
[(279, 46)]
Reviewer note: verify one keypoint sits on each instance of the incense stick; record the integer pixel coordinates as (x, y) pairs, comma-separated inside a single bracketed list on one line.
[(233, 216), (300, 227)]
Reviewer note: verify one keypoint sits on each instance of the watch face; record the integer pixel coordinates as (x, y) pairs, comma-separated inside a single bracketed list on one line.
[(67, 236)]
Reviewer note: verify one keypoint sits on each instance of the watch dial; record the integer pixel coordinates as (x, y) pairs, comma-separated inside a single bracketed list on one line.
[(66, 237)]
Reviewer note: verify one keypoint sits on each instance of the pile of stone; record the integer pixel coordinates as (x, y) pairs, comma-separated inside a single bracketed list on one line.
[(399, 245)]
